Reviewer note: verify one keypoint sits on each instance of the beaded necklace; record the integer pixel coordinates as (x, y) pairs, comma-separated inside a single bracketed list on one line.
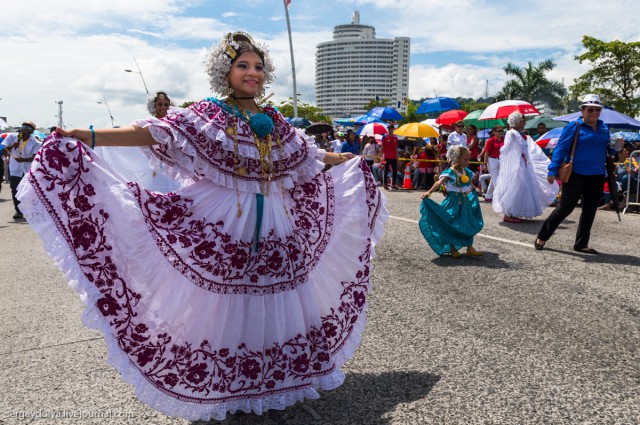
[(262, 127), (264, 144)]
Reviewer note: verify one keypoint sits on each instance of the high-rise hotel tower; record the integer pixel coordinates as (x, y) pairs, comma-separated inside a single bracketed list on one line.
[(357, 67)]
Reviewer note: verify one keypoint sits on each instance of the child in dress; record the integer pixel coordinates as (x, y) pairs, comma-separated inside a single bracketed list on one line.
[(452, 224)]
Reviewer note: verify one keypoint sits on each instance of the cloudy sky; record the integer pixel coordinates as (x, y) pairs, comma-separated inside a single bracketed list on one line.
[(76, 52)]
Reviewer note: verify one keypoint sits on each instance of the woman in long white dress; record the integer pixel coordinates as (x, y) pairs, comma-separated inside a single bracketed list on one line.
[(131, 162), (522, 189), (245, 290)]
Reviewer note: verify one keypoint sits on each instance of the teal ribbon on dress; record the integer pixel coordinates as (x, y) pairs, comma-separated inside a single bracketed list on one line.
[(93, 137), (260, 207)]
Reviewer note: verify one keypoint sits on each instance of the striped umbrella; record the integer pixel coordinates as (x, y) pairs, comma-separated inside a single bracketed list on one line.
[(504, 108), (373, 129), (549, 139)]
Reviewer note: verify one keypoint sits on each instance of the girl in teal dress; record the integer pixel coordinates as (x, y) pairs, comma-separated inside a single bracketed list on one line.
[(452, 224)]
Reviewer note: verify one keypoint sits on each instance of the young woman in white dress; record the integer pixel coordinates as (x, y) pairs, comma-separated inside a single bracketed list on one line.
[(243, 291)]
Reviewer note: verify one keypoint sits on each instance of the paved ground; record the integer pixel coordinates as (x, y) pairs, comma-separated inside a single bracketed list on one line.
[(515, 337)]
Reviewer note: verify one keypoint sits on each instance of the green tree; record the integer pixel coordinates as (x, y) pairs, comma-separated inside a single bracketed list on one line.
[(373, 103), (305, 110), (531, 84), (186, 104), (410, 115), (472, 105), (615, 74)]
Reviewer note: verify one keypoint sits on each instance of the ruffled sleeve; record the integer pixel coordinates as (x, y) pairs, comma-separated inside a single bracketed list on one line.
[(207, 141), (449, 174)]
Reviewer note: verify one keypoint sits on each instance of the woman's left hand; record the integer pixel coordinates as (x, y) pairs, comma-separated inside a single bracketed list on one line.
[(348, 155)]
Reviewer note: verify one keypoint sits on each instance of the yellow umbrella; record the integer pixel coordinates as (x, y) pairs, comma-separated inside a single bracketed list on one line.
[(416, 129)]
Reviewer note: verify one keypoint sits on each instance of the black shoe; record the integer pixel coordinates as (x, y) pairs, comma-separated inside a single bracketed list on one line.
[(585, 250), (538, 246), (18, 216)]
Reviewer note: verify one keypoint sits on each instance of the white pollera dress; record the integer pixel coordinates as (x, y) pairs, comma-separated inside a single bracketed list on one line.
[(522, 189), (205, 312)]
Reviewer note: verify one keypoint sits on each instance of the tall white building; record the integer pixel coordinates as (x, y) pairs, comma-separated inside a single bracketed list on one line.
[(357, 67)]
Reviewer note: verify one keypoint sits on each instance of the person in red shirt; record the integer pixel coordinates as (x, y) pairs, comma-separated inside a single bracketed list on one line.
[(425, 168), (491, 158), (390, 152), (473, 144)]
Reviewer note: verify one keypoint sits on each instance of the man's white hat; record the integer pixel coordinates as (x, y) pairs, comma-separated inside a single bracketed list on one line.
[(591, 100)]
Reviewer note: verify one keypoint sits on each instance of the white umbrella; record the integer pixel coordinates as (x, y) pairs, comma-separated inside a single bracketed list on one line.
[(431, 122)]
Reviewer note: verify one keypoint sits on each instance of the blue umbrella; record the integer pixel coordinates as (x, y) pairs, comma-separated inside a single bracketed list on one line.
[(628, 136), (359, 120), (344, 121), (384, 113), (365, 119), (299, 122), (484, 134), (610, 117), (437, 104)]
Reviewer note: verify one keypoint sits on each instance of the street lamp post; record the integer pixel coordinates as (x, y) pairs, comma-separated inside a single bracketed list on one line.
[(138, 72), (108, 109), (60, 122)]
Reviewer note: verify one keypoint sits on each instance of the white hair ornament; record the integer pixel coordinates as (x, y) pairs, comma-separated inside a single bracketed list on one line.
[(219, 58)]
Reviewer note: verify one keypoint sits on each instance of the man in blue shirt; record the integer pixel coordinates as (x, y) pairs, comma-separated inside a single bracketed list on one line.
[(588, 175)]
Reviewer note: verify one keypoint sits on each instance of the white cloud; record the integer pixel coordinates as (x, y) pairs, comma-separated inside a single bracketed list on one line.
[(453, 80)]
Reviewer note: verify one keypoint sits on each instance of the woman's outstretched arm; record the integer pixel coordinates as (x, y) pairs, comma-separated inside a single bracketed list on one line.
[(124, 136)]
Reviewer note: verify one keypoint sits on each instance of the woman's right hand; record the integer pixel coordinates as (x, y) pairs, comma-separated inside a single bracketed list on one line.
[(551, 179), (82, 134)]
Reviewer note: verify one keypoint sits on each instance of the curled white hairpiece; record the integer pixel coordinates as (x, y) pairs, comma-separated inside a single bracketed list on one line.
[(454, 152), (151, 102), (218, 61), (515, 118)]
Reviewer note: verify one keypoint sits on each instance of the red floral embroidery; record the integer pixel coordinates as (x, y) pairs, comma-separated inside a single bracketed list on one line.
[(199, 372), (203, 252), (182, 124)]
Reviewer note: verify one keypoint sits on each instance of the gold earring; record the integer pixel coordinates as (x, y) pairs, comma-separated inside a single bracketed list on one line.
[(228, 89)]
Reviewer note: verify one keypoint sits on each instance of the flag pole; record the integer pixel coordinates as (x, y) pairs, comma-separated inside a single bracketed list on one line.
[(293, 66)]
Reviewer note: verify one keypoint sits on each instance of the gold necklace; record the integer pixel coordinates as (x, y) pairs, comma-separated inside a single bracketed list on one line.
[(264, 148)]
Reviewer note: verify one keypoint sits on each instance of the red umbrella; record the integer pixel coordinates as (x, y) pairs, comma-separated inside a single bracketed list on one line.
[(451, 117), (503, 109)]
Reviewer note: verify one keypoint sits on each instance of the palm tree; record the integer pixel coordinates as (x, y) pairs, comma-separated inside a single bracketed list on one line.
[(531, 84)]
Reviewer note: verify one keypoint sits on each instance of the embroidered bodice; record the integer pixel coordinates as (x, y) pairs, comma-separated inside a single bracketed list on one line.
[(454, 183), (206, 139)]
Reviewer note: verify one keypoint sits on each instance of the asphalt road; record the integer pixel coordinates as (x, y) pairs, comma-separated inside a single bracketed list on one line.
[(517, 336)]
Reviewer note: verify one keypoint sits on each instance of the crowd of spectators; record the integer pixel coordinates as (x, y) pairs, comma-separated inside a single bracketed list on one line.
[(427, 161)]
